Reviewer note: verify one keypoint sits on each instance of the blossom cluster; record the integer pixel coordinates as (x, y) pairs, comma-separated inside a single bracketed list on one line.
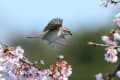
[(14, 66), (111, 44), (111, 52), (112, 47)]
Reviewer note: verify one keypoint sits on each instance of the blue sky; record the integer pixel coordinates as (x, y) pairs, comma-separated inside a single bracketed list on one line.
[(27, 16)]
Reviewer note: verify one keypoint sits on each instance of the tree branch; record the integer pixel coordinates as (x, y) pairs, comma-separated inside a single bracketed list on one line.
[(102, 45), (114, 73)]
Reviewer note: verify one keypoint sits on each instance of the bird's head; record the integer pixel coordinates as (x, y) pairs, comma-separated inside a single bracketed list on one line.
[(65, 31)]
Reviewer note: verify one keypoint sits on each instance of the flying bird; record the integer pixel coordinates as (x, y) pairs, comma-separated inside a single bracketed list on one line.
[(54, 32)]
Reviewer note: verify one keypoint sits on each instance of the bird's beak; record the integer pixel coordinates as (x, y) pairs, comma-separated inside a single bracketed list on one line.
[(71, 33)]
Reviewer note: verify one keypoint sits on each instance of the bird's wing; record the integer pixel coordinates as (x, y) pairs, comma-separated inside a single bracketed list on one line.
[(62, 42), (54, 24)]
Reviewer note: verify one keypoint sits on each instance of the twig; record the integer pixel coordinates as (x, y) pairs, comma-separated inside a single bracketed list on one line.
[(102, 45)]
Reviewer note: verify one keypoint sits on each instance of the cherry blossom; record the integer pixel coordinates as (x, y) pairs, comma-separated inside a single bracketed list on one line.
[(116, 35), (118, 73), (117, 19), (108, 40), (111, 44), (60, 57), (110, 56), (42, 62), (14, 66), (99, 76)]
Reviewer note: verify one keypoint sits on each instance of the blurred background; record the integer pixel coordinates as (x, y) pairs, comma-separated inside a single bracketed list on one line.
[(86, 19)]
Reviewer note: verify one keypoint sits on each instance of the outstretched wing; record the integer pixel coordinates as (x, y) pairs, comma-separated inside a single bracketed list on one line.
[(54, 24)]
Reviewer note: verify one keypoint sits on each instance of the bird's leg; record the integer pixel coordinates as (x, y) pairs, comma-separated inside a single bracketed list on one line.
[(51, 44)]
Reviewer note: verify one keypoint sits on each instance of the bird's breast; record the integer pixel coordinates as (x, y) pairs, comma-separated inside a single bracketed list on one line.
[(51, 35)]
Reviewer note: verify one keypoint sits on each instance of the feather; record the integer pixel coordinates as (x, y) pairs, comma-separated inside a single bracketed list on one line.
[(62, 42), (34, 36), (54, 24)]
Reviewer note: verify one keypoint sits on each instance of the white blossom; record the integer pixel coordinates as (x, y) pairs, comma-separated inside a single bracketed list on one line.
[(99, 76), (60, 57), (116, 35), (108, 40), (110, 56), (42, 62), (117, 19), (118, 73)]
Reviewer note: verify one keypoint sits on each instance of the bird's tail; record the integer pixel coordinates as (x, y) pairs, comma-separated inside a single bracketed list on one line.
[(34, 36), (38, 36)]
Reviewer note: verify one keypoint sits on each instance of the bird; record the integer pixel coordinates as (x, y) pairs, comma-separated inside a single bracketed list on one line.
[(54, 32)]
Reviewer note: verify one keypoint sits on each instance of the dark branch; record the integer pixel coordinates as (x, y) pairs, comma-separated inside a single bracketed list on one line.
[(117, 69), (114, 2)]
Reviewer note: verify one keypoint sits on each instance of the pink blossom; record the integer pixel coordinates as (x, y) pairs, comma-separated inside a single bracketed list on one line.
[(110, 56), (108, 40), (13, 69), (42, 62), (60, 57), (117, 19), (118, 73), (18, 52), (117, 35), (99, 76), (63, 63)]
